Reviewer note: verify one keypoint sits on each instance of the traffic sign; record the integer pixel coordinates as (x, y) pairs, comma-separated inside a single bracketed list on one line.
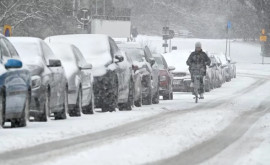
[(229, 25), (7, 30), (165, 45), (263, 38), (263, 31)]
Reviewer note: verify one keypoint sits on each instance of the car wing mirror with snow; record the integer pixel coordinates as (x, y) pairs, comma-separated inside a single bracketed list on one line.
[(86, 67), (171, 68), (54, 63), (119, 58)]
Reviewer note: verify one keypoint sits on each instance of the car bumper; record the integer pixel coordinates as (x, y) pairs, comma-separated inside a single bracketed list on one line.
[(181, 85)]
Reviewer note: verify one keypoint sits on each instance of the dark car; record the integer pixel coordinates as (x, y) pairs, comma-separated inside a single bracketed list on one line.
[(15, 86), (112, 78), (166, 78), (150, 78), (49, 84), (78, 73)]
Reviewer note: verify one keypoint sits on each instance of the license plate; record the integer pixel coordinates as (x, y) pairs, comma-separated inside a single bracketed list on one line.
[(177, 82)]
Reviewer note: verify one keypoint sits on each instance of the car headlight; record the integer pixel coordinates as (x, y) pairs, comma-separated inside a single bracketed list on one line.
[(36, 82), (163, 78)]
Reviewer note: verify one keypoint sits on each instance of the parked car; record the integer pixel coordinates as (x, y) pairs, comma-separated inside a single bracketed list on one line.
[(78, 73), (112, 78), (166, 77), (181, 74), (15, 86), (150, 78), (226, 67), (49, 84), (218, 71), (135, 56), (232, 66)]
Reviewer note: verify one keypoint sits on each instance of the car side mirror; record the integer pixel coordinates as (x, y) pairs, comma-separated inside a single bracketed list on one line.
[(171, 68), (13, 63), (54, 63), (86, 67), (119, 58), (152, 61)]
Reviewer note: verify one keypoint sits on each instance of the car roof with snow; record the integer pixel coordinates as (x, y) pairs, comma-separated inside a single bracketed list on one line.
[(94, 47), (131, 45)]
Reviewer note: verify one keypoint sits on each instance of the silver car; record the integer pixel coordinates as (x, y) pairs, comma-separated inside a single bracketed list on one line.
[(78, 73), (49, 84)]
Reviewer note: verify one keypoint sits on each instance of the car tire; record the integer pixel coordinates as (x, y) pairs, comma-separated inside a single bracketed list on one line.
[(22, 122), (171, 96), (167, 97), (156, 96), (111, 102), (77, 110), (128, 106), (148, 99), (63, 115), (46, 109), (90, 109), (2, 108), (138, 103)]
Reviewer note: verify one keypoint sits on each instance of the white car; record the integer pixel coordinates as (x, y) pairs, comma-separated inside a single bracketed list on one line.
[(182, 78)]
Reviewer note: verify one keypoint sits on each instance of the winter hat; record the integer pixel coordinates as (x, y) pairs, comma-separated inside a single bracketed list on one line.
[(198, 45)]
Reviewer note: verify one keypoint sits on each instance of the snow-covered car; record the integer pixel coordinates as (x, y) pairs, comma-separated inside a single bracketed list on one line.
[(15, 86), (217, 69), (166, 77), (49, 84), (132, 56), (78, 73), (150, 78), (112, 78), (226, 66), (232, 66), (181, 74)]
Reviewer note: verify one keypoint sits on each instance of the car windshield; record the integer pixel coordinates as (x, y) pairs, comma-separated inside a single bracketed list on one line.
[(30, 52), (135, 54), (159, 62), (95, 48), (64, 52)]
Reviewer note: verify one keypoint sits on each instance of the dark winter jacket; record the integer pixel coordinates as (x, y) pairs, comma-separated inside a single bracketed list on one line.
[(198, 60)]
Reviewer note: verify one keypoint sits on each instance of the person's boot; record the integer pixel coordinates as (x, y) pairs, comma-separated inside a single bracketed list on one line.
[(201, 96)]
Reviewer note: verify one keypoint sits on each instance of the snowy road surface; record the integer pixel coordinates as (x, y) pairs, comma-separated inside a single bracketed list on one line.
[(231, 126)]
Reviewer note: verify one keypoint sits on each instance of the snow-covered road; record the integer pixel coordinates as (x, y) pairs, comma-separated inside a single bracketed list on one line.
[(173, 132)]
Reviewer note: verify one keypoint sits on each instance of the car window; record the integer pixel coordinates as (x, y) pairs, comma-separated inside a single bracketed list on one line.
[(47, 52), (164, 62), (4, 49), (113, 46), (11, 49), (79, 57)]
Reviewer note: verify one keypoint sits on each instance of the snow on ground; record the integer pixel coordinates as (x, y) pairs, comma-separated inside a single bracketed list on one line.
[(169, 137)]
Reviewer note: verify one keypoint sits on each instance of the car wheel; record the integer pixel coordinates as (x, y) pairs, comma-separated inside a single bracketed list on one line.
[(22, 122), (46, 109), (148, 99), (129, 104), (171, 96), (167, 96), (63, 115), (2, 109), (138, 103), (111, 101), (77, 110), (90, 109)]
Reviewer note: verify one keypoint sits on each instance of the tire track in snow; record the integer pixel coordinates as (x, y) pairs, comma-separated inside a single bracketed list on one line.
[(208, 149), (50, 150)]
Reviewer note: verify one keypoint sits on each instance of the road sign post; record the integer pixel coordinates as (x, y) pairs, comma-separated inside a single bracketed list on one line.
[(263, 40), (167, 35)]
